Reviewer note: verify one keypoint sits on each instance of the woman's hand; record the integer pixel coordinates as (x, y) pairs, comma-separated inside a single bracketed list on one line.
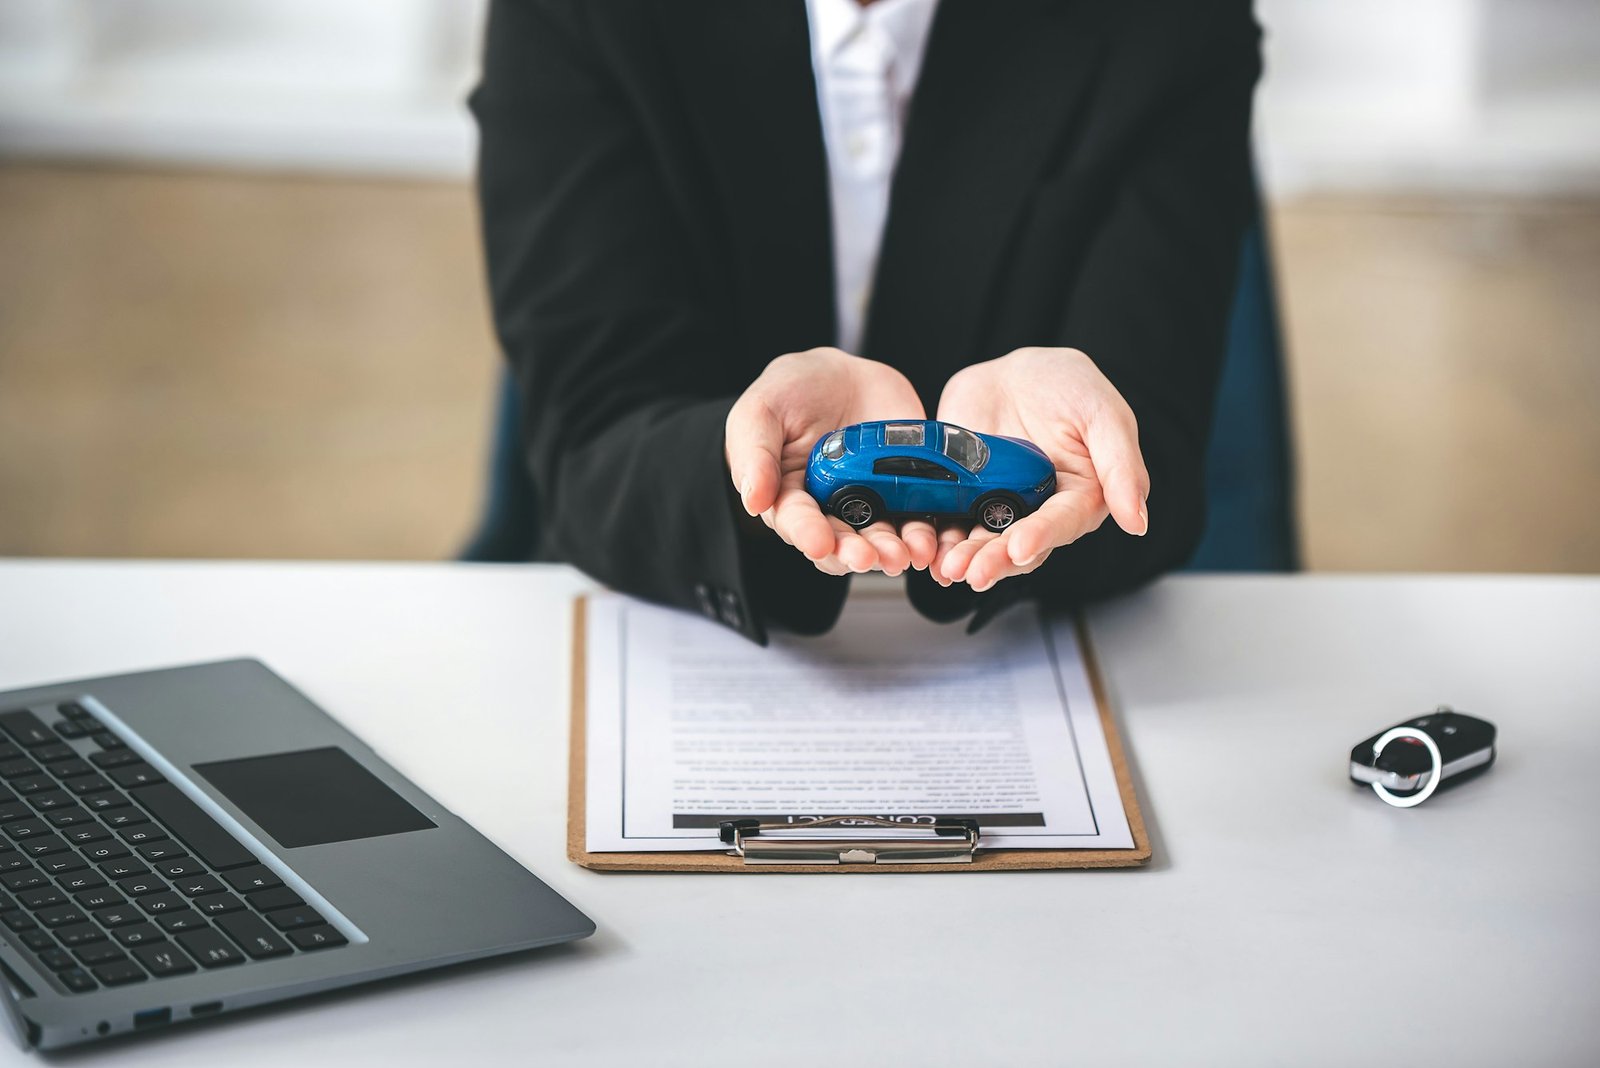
[(769, 435), (1059, 400)]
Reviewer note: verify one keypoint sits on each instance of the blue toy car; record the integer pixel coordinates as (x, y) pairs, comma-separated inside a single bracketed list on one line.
[(870, 471)]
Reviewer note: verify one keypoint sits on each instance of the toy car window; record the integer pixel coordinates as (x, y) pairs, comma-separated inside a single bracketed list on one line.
[(894, 465), (929, 469), (904, 434), (965, 448)]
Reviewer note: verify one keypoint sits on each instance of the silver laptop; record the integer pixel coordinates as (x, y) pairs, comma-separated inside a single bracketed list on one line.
[(182, 843)]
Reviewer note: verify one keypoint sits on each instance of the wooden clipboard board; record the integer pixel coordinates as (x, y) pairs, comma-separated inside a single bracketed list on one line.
[(720, 861)]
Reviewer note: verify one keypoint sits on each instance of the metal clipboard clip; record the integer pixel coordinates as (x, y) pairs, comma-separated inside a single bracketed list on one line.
[(949, 841)]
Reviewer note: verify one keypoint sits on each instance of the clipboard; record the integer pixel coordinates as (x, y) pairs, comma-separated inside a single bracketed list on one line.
[(745, 841)]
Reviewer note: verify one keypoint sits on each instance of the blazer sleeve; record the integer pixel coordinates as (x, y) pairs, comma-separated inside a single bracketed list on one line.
[(624, 376), (1150, 302)]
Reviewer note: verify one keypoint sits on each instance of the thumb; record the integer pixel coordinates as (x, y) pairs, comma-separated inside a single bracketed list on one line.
[(1113, 440), (753, 439)]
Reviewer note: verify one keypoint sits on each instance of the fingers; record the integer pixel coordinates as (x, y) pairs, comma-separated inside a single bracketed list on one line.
[(754, 437), (949, 538), (892, 555), (1113, 440), (921, 542), (960, 555), (800, 522)]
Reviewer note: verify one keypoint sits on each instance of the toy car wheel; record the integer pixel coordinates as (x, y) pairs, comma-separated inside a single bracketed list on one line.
[(997, 513), (857, 507)]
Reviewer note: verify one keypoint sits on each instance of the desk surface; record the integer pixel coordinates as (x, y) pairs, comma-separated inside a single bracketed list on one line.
[(1288, 917)]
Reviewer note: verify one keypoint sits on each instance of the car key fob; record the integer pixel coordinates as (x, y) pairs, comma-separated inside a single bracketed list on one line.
[(1404, 767)]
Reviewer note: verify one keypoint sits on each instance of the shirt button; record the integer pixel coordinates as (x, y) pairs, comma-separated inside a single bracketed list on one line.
[(702, 596)]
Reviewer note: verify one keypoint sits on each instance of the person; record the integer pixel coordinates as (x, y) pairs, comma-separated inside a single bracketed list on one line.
[(717, 230)]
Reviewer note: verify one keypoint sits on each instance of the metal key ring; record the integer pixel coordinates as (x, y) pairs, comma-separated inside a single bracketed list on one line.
[(1411, 800)]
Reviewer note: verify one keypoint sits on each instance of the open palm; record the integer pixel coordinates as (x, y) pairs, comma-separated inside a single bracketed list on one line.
[(770, 432), (1059, 400)]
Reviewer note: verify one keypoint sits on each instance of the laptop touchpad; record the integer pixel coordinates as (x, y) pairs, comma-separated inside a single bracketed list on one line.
[(313, 796)]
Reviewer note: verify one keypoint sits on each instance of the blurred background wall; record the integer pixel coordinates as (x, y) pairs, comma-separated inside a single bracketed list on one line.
[(242, 310)]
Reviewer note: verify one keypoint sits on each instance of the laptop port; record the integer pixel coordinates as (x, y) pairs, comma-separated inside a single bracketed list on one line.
[(152, 1018)]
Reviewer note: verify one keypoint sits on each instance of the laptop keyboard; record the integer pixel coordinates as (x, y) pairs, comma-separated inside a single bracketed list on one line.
[(112, 875)]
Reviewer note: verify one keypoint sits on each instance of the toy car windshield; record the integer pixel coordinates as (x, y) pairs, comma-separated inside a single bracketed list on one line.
[(965, 448)]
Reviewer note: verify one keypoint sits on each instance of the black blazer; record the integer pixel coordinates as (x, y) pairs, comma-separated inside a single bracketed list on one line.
[(655, 211)]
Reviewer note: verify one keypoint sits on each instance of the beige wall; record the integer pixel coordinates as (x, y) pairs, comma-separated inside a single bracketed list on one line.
[(198, 364)]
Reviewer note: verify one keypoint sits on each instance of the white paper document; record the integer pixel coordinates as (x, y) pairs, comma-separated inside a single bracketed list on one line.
[(887, 715)]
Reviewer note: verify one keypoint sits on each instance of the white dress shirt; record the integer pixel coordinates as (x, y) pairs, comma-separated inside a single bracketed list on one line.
[(866, 61)]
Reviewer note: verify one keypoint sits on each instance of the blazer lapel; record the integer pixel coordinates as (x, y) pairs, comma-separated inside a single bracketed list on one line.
[(745, 70), (997, 96)]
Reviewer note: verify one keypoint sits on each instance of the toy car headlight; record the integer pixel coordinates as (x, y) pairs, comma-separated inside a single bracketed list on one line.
[(833, 445), (1048, 484)]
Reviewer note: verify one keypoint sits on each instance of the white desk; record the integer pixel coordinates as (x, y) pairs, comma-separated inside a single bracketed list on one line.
[(1284, 915)]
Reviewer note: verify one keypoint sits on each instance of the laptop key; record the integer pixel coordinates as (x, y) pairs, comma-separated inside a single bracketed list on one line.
[(61, 863), (99, 802), (73, 710), (8, 751), (21, 829), (81, 880), (26, 728), (54, 753), (139, 934), (181, 920), (253, 936), (32, 784), (77, 980), (37, 940), (279, 897), (210, 948), (70, 766), (156, 904), (107, 740), (196, 885), (317, 938), (120, 916), (114, 758), (255, 877), (100, 953), (105, 851), (17, 767), (84, 833), (140, 885), (41, 898), (156, 851), (289, 919), (57, 960), (102, 897), (123, 867), (89, 784), (12, 811), (43, 846), (71, 728), (136, 775), (17, 920), (124, 817), (119, 973), (79, 935), (51, 799), (18, 881), (68, 817), (217, 904), (187, 821), (164, 959), (60, 916), (178, 867), (144, 832), (13, 861)]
